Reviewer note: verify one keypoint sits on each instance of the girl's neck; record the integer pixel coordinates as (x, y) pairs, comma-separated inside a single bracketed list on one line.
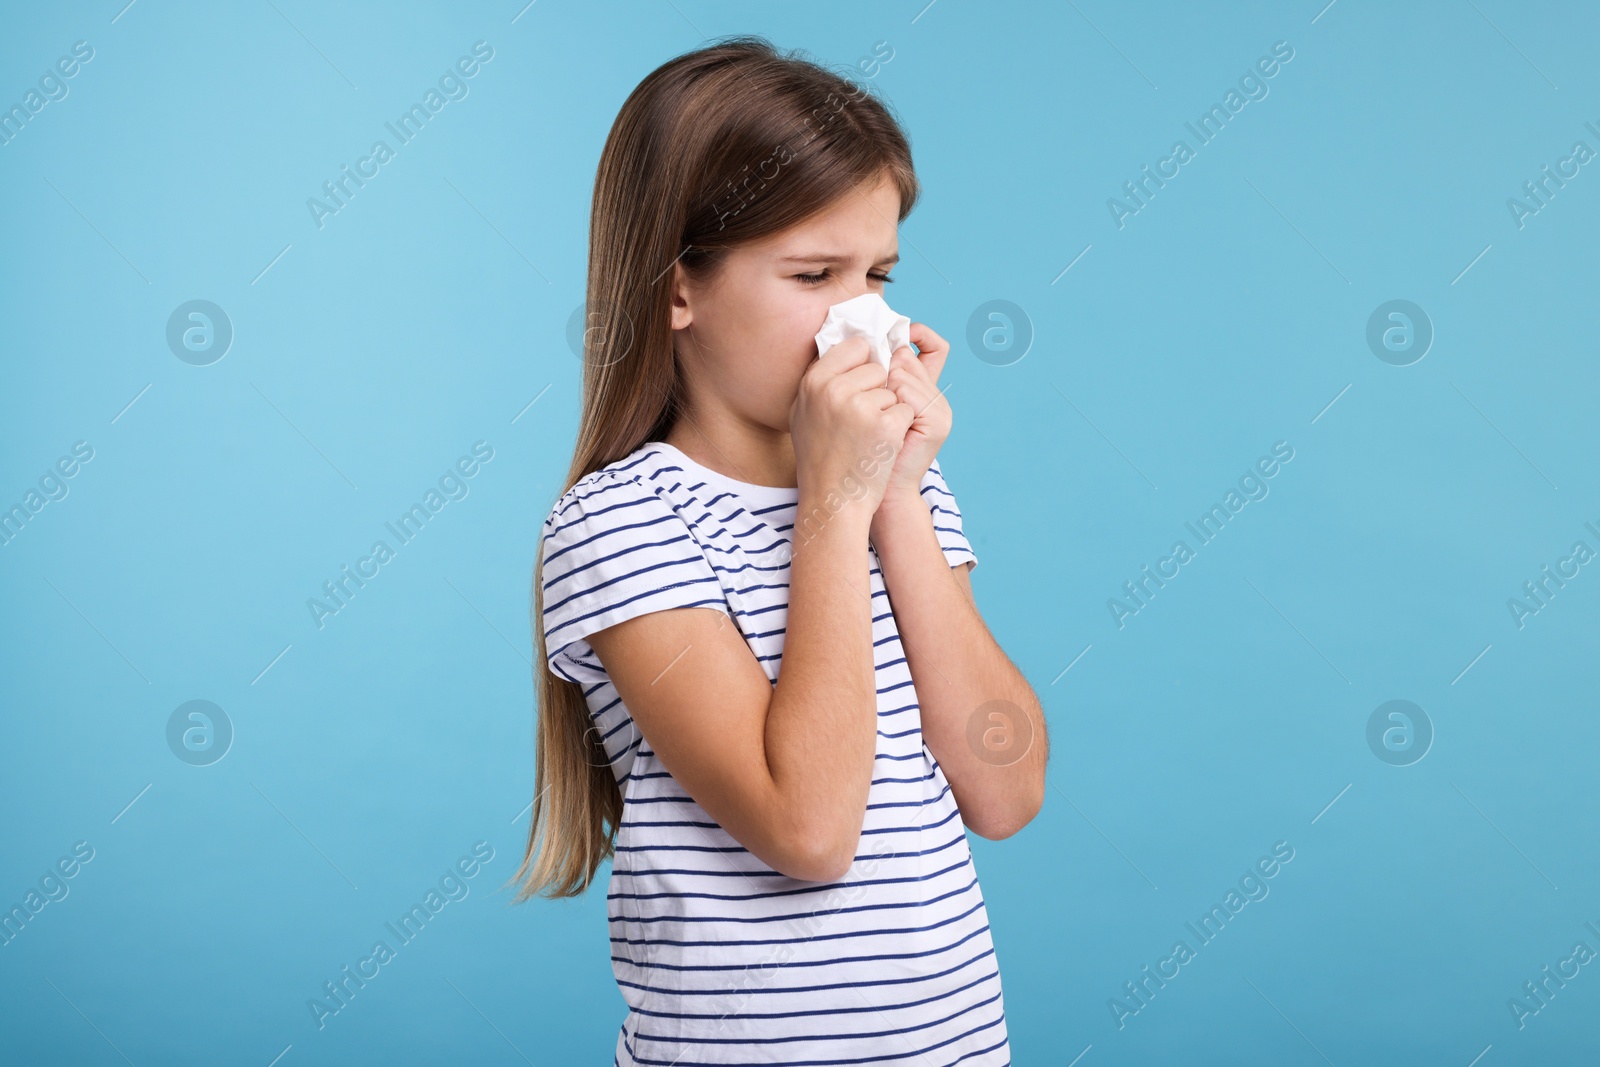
[(740, 451)]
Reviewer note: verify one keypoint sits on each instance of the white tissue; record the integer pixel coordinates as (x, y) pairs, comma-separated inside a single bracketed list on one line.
[(866, 316)]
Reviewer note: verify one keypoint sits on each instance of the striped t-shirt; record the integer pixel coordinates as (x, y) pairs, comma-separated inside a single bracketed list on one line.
[(720, 958)]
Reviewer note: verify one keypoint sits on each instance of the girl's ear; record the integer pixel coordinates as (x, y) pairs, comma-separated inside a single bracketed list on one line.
[(682, 315)]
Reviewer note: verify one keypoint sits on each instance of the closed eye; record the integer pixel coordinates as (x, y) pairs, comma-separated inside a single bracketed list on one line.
[(818, 279)]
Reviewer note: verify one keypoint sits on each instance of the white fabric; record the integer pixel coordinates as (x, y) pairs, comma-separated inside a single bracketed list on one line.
[(869, 316), (721, 959)]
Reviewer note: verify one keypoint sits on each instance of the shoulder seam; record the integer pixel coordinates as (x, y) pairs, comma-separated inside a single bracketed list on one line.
[(633, 475)]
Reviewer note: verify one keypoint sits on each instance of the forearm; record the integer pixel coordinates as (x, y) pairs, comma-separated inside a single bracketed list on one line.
[(821, 731), (960, 673)]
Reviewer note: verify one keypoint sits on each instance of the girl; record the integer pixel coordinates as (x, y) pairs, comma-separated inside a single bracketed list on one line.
[(780, 765)]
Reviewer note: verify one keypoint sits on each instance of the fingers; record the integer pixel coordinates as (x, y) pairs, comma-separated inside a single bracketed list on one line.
[(851, 352), (884, 399), (869, 374), (912, 375), (933, 348), (912, 380), (907, 378), (904, 415)]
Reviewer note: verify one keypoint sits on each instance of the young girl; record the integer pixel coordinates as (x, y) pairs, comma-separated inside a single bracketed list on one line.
[(780, 764)]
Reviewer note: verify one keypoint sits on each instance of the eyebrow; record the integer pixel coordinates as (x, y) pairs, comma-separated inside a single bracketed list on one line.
[(833, 257)]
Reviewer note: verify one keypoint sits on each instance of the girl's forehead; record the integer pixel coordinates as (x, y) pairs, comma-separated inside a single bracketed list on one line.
[(869, 238), (865, 222)]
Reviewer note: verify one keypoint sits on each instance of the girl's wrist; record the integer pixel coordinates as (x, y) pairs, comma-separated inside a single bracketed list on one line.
[(815, 511), (895, 508), (901, 498)]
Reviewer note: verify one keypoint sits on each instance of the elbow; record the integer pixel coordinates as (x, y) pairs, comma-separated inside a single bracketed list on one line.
[(994, 829), (1007, 813), (823, 870), (998, 829), (828, 862), (1000, 822), (821, 856)]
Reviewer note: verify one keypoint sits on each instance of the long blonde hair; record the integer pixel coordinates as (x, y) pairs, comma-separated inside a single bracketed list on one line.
[(720, 146)]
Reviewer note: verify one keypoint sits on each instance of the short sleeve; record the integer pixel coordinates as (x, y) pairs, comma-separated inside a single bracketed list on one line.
[(613, 550), (946, 518)]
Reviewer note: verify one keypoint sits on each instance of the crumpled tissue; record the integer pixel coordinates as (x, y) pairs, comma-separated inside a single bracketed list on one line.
[(869, 316)]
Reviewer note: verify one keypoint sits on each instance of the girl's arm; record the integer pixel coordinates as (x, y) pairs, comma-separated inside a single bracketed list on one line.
[(957, 668), (784, 768)]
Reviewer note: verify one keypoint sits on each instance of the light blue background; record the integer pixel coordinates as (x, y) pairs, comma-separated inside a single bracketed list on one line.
[(1228, 314)]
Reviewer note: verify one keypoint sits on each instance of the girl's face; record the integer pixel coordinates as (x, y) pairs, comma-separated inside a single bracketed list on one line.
[(746, 338)]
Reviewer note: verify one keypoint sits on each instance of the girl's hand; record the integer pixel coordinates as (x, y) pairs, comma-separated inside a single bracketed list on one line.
[(847, 425), (914, 380)]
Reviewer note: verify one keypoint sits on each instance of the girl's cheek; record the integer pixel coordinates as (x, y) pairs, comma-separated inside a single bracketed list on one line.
[(788, 327), (810, 314)]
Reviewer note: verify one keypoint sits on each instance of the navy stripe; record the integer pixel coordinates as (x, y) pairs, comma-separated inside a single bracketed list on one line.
[(788, 916), (679, 1061), (767, 990), (652, 532), (959, 917), (854, 1039), (625, 576), (707, 603), (817, 887), (960, 838), (663, 823), (991, 976), (874, 958), (856, 1036)]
